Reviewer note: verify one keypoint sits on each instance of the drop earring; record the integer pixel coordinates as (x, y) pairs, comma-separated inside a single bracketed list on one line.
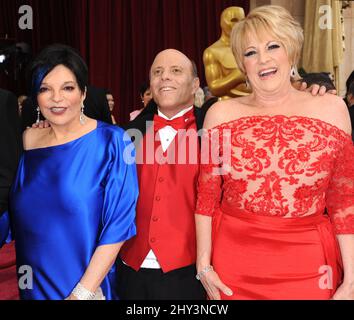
[(38, 115), (247, 83), (82, 116), (293, 72)]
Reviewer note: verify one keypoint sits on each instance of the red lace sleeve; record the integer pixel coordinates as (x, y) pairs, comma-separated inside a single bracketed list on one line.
[(209, 180), (340, 196)]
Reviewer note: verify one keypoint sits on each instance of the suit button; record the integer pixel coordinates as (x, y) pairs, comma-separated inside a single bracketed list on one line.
[(161, 179), (157, 198), (152, 240), (154, 218)]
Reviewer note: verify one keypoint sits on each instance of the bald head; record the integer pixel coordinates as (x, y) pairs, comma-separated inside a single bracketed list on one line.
[(173, 81), (171, 52), (181, 57)]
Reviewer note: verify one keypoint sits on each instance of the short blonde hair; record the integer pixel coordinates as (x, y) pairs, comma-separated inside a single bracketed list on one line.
[(271, 19)]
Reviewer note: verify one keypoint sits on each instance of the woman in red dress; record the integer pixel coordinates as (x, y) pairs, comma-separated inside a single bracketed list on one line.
[(275, 211)]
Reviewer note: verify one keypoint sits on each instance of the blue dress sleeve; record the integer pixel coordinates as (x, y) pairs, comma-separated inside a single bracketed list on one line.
[(121, 193), (5, 230)]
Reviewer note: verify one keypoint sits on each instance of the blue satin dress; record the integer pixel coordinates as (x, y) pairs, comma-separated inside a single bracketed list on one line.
[(65, 202)]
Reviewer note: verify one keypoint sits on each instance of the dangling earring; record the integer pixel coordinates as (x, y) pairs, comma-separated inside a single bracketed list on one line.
[(38, 115), (82, 116), (293, 72), (248, 86)]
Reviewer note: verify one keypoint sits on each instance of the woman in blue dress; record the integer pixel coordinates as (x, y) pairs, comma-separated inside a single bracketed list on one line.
[(74, 196)]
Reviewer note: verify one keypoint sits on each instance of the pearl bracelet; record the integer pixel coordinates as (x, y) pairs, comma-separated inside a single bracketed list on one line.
[(81, 293), (204, 271)]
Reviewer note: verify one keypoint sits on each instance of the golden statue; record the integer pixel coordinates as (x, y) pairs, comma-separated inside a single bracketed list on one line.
[(224, 78)]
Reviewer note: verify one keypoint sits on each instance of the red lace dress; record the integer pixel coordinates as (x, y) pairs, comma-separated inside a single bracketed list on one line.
[(279, 189)]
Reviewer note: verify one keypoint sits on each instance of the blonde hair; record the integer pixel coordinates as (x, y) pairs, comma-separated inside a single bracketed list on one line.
[(270, 19)]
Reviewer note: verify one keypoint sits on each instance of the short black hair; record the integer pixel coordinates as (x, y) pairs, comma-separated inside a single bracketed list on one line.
[(351, 89), (52, 56), (349, 81), (194, 69), (143, 87)]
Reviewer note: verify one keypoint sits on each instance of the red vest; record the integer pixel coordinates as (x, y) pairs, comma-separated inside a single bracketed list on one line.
[(166, 205)]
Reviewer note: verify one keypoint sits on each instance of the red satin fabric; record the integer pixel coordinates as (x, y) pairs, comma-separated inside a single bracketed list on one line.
[(262, 257), (178, 123)]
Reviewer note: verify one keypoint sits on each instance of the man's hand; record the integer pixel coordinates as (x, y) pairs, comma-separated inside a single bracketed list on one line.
[(41, 124), (316, 89)]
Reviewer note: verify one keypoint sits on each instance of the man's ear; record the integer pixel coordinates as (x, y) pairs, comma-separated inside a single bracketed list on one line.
[(196, 84)]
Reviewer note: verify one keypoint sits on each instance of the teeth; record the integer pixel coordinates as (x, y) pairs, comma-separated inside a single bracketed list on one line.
[(166, 89), (57, 109), (266, 72)]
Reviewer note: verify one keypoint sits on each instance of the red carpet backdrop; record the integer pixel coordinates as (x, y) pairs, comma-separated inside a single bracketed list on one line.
[(118, 38), (8, 280)]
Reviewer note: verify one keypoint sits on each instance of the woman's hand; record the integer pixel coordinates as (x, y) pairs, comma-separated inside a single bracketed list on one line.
[(213, 285), (344, 292)]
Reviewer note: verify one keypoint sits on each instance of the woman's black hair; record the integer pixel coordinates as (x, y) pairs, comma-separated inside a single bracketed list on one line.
[(351, 89), (349, 81), (143, 87), (52, 56)]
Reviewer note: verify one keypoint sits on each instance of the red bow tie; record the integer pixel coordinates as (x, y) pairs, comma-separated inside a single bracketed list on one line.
[(178, 123)]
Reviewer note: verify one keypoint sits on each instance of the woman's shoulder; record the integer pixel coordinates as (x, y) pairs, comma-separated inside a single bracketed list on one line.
[(113, 132), (223, 111), (134, 114), (331, 109), (109, 128), (32, 137)]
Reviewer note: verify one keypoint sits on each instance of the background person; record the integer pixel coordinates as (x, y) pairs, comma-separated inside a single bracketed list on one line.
[(145, 96), (111, 103), (11, 147)]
